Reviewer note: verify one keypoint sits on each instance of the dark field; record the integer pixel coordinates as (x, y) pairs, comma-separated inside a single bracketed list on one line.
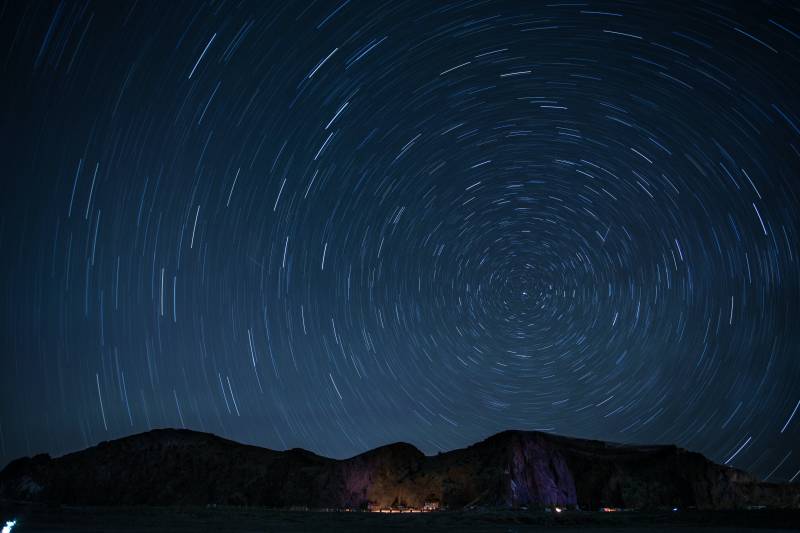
[(190, 519)]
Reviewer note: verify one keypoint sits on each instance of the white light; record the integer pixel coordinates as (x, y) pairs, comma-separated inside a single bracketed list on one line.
[(9, 524)]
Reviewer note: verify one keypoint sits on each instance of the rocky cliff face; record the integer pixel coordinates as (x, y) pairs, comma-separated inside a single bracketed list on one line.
[(510, 469)]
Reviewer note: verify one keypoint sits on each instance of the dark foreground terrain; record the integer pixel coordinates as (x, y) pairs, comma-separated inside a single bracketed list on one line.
[(34, 518), (510, 470)]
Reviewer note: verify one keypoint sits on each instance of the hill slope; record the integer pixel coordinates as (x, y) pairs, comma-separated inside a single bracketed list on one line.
[(510, 469)]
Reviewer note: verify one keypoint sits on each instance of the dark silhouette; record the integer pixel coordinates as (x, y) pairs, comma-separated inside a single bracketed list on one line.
[(512, 469)]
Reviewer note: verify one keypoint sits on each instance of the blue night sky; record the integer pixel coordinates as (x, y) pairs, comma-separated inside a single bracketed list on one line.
[(335, 225)]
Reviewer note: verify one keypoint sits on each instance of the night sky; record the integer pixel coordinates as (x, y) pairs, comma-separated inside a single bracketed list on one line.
[(339, 225)]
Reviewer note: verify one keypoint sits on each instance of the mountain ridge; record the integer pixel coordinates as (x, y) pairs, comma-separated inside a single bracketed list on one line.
[(510, 469)]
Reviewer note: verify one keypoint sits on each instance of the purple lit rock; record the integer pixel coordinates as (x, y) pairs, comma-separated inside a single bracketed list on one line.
[(539, 474)]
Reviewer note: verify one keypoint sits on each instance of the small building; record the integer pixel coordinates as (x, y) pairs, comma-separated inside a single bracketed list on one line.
[(431, 504)]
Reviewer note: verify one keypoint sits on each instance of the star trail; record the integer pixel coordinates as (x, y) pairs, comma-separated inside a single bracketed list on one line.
[(335, 225)]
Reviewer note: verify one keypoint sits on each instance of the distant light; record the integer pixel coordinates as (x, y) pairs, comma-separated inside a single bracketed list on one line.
[(674, 509), (558, 509), (9, 525)]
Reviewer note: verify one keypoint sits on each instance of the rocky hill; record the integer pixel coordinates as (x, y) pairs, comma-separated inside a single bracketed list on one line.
[(510, 469)]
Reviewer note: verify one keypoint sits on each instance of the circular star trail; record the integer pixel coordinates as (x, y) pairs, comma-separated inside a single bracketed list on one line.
[(338, 225)]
